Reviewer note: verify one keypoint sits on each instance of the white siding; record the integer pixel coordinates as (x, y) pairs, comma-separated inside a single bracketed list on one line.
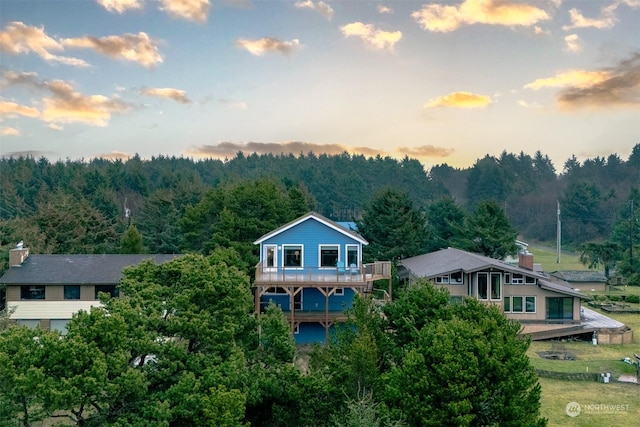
[(49, 309)]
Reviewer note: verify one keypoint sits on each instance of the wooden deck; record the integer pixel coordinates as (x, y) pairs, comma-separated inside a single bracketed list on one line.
[(320, 277)]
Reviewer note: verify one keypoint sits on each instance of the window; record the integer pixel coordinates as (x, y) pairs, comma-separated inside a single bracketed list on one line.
[(71, 291), (517, 279), (296, 329), (442, 279), (352, 256), (530, 304), (31, 323), (496, 286), (339, 291), (530, 280), (517, 305), (456, 278), (292, 255), (507, 304), (32, 292), (483, 286), (560, 308), (275, 290), (59, 325), (329, 255), (107, 289)]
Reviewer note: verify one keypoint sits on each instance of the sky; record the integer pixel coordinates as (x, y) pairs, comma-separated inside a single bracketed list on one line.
[(444, 82)]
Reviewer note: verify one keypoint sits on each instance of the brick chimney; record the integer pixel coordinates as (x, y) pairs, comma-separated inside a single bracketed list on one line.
[(525, 260), (17, 256)]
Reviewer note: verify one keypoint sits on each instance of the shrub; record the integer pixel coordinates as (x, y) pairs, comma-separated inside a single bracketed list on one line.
[(634, 299), (614, 298)]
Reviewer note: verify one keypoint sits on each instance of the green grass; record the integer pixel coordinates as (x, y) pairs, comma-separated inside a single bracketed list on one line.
[(556, 394), (549, 259)]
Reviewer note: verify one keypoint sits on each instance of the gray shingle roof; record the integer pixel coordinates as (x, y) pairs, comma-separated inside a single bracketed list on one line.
[(76, 269), (448, 260), (580, 275)]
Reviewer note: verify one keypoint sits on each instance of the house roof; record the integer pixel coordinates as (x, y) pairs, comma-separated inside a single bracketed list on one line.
[(76, 269), (563, 289), (446, 261), (317, 217), (580, 275)]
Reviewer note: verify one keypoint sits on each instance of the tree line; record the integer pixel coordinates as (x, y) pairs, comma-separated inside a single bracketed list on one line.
[(179, 205)]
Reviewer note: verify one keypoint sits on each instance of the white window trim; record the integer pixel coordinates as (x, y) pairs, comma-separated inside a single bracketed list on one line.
[(488, 283), (328, 245), (339, 291), (358, 259), (524, 304), (499, 276), (297, 245), (455, 282), (296, 329), (442, 280), (535, 304)]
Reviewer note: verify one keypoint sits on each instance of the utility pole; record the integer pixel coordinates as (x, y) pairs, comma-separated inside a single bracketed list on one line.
[(559, 236), (631, 221)]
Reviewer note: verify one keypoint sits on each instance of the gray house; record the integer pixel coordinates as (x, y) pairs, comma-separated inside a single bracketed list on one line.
[(46, 290), (523, 294)]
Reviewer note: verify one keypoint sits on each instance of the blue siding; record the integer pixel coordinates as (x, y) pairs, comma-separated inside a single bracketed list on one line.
[(312, 300), (311, 333), (311, 234)]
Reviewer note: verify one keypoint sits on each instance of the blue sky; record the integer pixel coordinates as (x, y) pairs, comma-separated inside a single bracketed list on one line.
[(440, 81)]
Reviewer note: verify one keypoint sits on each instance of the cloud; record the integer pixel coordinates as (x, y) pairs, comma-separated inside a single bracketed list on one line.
[(617, 86), (426, 151), (191, 10), (9, 131), (444, 18), (321, 7), (12, 109), (120, 6), (166, 92), (576, 78), (460, 100), (383, 9), (268, 44), (525, 104), (18, 38), (372, 36), (230, 149), (138, 48), (620, 88), (64, 104), (607, 18), (34, 154), (573, 43)]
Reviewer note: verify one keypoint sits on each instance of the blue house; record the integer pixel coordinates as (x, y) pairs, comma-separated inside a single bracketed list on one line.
[(312, 268)]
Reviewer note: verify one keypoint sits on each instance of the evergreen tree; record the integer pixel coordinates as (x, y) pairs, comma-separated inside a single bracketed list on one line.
[(392, 226), (489, 232)]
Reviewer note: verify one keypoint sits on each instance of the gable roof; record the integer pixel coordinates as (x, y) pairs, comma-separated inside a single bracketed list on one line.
[(446, 261), (316, 217), (76, 269)]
